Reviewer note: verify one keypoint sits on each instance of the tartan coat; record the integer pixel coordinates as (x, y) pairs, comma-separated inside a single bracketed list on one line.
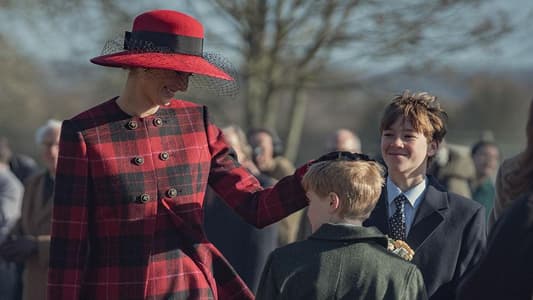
[(127, 217)]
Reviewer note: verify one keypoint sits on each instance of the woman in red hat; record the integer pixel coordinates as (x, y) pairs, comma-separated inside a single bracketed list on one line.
[(132, 174)]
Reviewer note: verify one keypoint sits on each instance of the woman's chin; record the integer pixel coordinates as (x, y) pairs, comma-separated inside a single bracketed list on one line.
[(165, 100)]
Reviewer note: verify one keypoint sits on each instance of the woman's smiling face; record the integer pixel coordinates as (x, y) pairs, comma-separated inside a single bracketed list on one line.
[(159, 85)]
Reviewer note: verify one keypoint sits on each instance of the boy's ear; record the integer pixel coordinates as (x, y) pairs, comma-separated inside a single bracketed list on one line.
[(334, 202), (433, 147)]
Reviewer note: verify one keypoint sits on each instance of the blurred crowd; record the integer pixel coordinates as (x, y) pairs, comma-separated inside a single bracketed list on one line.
[(26, 198), (143, 197)]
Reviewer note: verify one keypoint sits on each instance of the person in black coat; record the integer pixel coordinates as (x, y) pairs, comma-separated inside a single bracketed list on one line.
[(446, 231), (244, 246), (506, 269)]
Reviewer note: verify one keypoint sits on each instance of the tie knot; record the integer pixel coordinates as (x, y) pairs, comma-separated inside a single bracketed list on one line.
[(400, 200)]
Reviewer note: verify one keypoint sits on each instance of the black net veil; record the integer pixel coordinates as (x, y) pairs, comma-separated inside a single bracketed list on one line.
[(199, 85)]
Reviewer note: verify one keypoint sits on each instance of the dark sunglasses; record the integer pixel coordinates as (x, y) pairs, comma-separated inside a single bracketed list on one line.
[(344, 155)]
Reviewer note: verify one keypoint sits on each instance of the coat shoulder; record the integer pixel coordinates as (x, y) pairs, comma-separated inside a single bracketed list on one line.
[(455, 201), (183, 103), (462, 203)]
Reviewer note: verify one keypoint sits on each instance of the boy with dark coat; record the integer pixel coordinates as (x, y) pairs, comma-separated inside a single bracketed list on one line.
[(446, 231)]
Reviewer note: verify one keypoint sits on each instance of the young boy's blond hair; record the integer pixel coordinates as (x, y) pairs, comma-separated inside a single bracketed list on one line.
[(358, 185)]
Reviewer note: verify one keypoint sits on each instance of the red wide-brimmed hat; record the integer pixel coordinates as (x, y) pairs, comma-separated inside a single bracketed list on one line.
[(164, 39)]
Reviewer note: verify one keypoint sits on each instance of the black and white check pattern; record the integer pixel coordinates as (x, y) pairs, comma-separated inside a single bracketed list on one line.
[(397, 221)]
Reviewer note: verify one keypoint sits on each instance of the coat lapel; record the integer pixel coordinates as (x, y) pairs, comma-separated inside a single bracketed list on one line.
[(429, 215)]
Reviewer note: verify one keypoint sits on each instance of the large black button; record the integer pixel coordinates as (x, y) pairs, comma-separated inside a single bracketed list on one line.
[(172, 192), (163, 155), (132, 125), (138, 160), (158, 122), (144, 198)]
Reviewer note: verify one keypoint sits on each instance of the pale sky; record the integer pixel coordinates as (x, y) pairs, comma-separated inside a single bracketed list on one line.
[(56, 42)]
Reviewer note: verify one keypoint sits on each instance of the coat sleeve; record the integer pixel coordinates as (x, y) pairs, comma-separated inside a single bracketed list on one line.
[(242, 191), (473, 244), (267, 287), (68, 245), (415, 288)]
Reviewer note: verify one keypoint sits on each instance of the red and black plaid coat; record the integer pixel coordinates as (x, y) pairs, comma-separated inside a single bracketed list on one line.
[(127, 220)]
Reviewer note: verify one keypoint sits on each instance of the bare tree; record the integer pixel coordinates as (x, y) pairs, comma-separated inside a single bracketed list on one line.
[(286, 49), (286, 45)]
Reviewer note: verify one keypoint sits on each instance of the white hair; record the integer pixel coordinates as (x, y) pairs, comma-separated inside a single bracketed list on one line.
[(43, 130)]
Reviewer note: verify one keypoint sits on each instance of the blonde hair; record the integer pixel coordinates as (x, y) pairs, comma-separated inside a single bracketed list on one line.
[(422, 110), (357, 183)]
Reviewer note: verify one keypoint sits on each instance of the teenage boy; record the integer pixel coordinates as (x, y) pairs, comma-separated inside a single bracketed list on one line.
[(446, 231), (341, 259)]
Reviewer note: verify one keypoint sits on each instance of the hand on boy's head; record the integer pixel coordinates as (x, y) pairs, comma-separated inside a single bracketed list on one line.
[(333, 155), (342, 155)]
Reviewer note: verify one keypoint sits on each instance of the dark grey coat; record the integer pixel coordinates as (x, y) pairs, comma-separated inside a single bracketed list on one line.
[(340, 262)]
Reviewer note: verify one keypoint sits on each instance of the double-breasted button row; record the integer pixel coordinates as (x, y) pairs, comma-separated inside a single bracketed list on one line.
[(171, 193), (132, 125), (139, 160)]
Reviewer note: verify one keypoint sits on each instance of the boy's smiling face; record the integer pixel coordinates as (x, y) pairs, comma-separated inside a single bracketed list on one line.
[(404, 150)]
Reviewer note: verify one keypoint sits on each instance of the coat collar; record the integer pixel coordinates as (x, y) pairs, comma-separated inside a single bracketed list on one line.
[(340, 232), (428, 216)]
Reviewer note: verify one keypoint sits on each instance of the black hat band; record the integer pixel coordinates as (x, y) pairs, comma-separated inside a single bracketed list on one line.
[(150, 41)]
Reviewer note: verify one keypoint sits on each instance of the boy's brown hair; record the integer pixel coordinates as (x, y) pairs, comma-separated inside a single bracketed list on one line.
[(422, 110), (357, 183)]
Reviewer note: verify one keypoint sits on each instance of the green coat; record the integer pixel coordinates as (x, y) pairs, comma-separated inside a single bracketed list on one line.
[(340, 262)]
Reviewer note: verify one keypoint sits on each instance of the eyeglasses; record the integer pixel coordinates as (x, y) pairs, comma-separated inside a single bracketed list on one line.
[(344, 155)]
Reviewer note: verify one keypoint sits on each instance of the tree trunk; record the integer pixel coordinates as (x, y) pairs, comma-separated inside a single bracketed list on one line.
[(296, 123)]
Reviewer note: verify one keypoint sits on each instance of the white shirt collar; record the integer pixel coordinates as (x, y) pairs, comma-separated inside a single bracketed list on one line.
[(412, 195)]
